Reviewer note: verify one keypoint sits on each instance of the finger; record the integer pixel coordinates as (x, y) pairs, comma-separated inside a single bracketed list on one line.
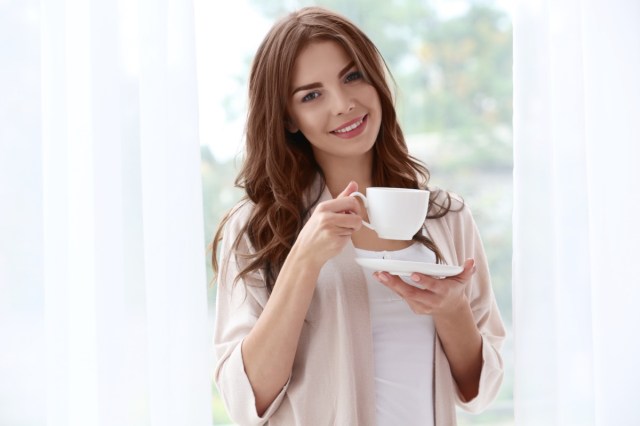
[(396, 284), (433, 283), (469, 268), (341, 205), (351, 188), (343, 232), (350, 221)]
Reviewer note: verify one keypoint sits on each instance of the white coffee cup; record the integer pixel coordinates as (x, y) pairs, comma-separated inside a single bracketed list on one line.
[(395, 213)]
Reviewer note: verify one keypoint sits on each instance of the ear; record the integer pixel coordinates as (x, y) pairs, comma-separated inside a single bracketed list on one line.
[(290, 125)]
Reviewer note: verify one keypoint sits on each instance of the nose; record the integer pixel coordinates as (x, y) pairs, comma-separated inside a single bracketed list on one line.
[(343, 102)]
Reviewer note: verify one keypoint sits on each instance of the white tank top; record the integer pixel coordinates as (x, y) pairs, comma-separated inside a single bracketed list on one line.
[(403, 344)]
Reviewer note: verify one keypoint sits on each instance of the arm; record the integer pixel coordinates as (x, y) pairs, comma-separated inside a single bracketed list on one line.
[(447, 302), (270, 339), (462, 344), (269, 349), (470, 331)]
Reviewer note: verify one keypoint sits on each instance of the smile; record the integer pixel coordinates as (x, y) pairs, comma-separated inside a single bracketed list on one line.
[(352, 129)]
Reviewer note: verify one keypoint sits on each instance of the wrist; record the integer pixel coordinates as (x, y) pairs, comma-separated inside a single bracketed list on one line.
[(304, 261), (456, 310)]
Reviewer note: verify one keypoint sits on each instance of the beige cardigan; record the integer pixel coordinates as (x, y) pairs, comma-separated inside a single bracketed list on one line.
[(332, 381)]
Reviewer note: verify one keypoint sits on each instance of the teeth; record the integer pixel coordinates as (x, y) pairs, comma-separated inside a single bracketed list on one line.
[(350, 128)]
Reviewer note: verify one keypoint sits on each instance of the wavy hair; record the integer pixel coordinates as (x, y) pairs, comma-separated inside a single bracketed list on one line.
[(279, 167)]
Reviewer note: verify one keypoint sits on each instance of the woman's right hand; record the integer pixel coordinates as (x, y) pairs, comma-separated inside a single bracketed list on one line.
[(329, 228), (268, 351)]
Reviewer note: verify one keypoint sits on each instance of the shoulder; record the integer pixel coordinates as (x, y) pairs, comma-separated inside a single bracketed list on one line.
[(454, 228), (235, 248), (450, 214), (239, 215), (446, 204), (234, 224)]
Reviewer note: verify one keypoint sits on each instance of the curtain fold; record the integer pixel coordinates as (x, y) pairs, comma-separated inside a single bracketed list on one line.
[(118, 331), (576, 210)]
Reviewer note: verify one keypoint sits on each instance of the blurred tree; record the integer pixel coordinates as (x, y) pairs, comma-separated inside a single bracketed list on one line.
[(453, 74)]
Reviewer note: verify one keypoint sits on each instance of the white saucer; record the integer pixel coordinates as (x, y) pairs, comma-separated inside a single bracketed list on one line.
[(405, 268)]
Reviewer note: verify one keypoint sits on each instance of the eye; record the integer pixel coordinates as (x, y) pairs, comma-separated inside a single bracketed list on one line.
[(311, 96), (355, 75)]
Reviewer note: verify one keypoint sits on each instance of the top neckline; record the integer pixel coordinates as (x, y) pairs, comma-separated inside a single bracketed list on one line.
[(359, 250)]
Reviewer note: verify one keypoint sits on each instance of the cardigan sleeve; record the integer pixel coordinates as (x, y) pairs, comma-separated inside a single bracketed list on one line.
[(468, 244), (238, 306)]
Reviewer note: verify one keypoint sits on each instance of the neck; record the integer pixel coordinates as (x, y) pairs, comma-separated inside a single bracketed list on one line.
[(340, 171)]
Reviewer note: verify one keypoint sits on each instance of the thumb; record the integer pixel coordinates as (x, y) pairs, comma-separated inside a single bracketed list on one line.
[(351, 188), (469, 269)]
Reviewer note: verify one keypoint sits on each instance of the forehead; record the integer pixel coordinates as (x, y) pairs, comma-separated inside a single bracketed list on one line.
[(317, 61)]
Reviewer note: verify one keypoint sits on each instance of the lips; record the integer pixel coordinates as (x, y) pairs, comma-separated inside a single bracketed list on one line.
[(351, 128)]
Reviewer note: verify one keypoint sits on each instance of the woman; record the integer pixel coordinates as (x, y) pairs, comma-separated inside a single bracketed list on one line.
[(303, 334)]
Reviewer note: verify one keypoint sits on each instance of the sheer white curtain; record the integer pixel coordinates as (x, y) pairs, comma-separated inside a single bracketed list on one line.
[(102, 278), (576, 211)]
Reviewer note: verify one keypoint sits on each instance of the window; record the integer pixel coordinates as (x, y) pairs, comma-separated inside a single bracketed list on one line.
[(452, 64)]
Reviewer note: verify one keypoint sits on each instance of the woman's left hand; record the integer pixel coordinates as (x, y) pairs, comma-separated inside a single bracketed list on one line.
[(446, 301), (437, 296)]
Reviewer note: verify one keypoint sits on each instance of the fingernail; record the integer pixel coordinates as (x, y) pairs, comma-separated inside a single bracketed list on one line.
[(383, 277), (415, 277)]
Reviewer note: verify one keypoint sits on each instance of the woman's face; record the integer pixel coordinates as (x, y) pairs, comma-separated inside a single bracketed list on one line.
[(331, 104)]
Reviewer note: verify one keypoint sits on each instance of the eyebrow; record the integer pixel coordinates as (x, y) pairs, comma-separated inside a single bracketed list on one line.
[(342, 72)]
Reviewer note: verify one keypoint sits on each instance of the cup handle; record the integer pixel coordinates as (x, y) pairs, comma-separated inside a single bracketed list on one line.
[(366, 206)]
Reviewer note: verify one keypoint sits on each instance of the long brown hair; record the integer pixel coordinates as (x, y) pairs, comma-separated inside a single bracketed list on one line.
[(279, 167)]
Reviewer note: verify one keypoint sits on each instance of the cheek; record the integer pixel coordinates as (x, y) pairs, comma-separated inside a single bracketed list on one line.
[(311, 122), (377, 107), (374, 98)]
